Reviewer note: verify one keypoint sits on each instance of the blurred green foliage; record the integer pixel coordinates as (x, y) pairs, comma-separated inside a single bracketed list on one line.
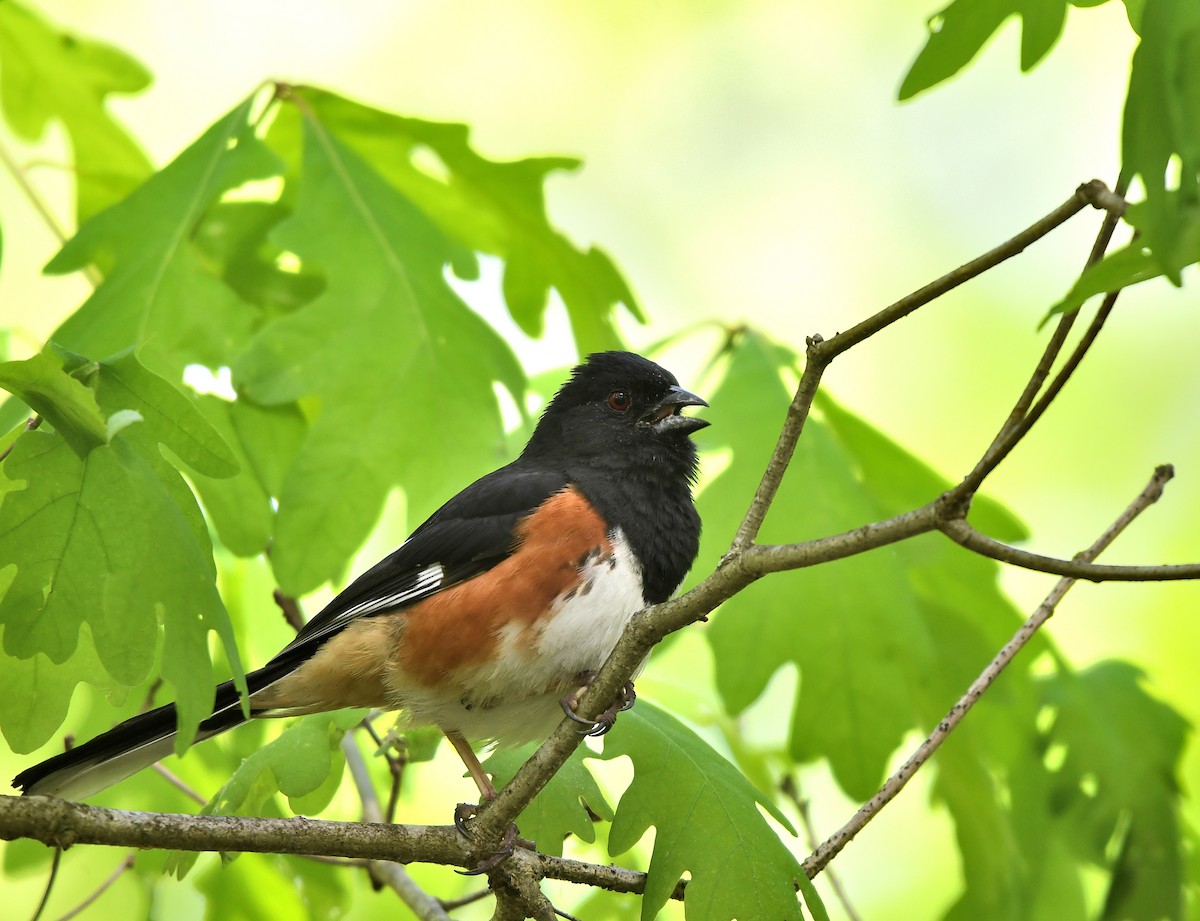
[(305, 245)]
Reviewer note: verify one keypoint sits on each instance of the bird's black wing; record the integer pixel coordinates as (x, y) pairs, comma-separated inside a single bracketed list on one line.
[(465, 537)]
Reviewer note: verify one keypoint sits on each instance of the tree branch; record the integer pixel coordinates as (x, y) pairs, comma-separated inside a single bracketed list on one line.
[(839, 839), (785, 446), (60, 823), (1008, 438), (962, 533), (605, 876), (1042, 370), (516, 880), (821, 352), (1094, 193)]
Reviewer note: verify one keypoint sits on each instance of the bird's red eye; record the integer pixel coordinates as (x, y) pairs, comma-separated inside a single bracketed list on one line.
[(619, 400)]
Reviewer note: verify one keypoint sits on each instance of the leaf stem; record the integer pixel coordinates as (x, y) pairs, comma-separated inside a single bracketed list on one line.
[(31, 194), (31, 424), (40, 206)]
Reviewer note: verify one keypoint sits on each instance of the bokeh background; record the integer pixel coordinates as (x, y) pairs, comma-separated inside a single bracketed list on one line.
[(748, 162)]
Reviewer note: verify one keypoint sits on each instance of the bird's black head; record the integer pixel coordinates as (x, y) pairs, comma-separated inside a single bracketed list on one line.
[(618, 405)]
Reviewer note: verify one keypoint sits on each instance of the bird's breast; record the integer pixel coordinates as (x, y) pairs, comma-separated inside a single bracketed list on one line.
[(508, 685), (586, 621)]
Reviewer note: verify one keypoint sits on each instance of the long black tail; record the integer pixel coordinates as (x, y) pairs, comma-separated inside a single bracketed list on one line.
[(134, 744)]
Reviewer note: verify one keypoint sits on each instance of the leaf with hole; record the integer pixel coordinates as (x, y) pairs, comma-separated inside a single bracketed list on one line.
[(402, 371), (707, 823)]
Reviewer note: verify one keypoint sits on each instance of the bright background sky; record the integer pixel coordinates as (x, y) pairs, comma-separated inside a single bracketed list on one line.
[(747, 161)]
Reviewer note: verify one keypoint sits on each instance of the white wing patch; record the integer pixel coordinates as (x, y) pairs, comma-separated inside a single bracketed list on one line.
[(427, 581)]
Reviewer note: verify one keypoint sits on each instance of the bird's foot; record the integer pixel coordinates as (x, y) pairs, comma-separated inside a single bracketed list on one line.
[(507, 844), (604, 721), (511, 840), (462, 812)]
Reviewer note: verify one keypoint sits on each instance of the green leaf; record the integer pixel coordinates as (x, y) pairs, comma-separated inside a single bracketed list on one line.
[(562, 806), (1162, 125), (234, 243), (402, 370), (46, 74), (940, 606), (45, 690), (1120, 269), (305, 759), (706, 820), (1118, 784), (157, 295), (296, 764), (899, 481), (271, 436), (858, 637), (958, 32), (82, 534), (170, 417), (65, 402), (489, 207), (239, 506)]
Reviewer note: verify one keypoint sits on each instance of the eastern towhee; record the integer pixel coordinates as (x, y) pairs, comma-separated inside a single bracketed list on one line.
[(495, 609)]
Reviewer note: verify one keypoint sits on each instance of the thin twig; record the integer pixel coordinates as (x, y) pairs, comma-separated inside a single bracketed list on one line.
[(823, 351), (89, 272), (372, 812), (396, 764), (420, 902), (1094, 193), (176, 781), (332, 861), (31, 194), (172, 778), (290, 608), (789, 789), (122, 867), (1004, 443), (462, 901), (785, 445), (839, 839), (965, 535), (603, 876), (55, 863), (1042, 370)]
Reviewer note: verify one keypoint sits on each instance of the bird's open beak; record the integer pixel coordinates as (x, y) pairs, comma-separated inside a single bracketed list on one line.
[(665, 416)]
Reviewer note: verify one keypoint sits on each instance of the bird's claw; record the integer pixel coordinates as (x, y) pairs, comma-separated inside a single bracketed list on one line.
[(603, 721), (462, 812), (508, 843)]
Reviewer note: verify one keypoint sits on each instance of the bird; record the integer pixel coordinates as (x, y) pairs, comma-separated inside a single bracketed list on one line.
[(496, 612)]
